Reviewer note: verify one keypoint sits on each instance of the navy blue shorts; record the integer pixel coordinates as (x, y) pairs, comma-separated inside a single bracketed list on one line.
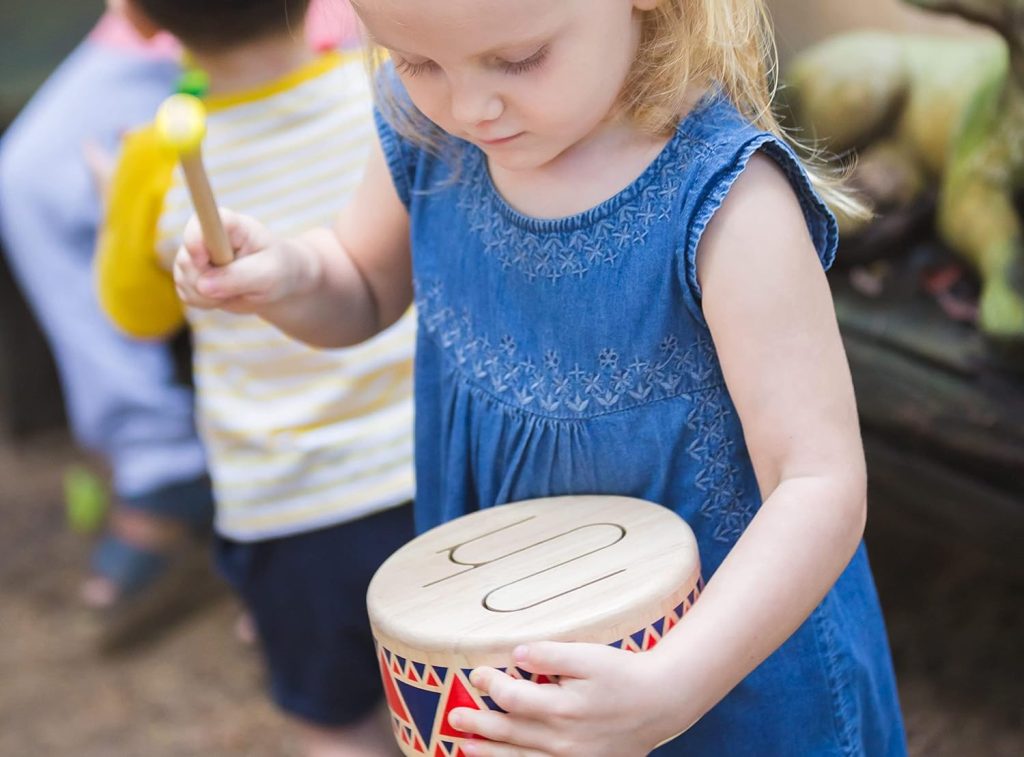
[(307, 597)]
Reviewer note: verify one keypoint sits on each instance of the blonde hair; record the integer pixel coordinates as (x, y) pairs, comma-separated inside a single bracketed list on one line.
[(684, 45)]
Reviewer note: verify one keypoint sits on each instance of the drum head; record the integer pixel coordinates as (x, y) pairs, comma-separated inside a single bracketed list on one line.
[(579, 568)]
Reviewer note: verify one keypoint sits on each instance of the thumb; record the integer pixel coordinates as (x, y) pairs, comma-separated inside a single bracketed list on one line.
[(245, 236)]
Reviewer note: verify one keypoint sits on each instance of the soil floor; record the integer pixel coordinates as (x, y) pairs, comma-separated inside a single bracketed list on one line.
[(956, 626)]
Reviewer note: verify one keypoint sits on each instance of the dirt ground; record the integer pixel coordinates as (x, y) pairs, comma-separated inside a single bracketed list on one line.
[(956, 629)]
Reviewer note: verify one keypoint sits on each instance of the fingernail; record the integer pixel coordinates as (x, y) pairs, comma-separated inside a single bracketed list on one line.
[(520, 652), (455, 720)]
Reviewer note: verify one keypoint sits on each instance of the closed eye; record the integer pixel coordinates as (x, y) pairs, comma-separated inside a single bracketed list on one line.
[(526, 64), (408, 68)]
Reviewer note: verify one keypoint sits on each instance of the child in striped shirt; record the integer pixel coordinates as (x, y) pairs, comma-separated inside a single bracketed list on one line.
[(310, 451)]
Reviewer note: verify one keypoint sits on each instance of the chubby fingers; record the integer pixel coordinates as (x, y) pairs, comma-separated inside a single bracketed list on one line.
[(188, 268), (245, 236), (563, 659), (500, 734), (494, 749), (517, 696)]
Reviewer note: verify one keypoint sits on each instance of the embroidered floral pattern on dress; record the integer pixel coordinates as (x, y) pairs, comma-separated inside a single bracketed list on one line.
[(555, 256), (718, 478), (547, 384)]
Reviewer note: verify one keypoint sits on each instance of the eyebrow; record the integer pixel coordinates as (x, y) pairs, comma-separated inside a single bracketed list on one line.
[(493, 52)]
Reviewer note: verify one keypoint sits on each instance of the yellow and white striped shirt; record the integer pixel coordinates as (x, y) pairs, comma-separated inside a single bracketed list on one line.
[(298, 438)]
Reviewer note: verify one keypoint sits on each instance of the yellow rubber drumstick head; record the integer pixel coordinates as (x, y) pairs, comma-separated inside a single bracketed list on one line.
[(181, 123)]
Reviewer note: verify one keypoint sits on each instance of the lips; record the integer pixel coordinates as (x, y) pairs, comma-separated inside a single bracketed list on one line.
[(499, 140)]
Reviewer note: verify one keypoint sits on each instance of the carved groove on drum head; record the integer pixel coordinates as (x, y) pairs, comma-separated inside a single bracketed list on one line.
[(487, 605)]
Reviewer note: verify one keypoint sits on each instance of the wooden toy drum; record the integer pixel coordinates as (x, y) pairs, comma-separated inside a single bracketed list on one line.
[(606, 570)]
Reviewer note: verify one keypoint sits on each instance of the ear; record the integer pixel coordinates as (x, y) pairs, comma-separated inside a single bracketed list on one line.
[(131, 12)]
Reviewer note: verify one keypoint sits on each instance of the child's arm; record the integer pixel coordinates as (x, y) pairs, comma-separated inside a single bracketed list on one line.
[(328, 287), (769, 309)]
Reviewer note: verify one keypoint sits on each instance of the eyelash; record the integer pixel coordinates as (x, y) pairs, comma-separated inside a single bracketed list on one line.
[(412, 69), (513, 69), (522, 66)]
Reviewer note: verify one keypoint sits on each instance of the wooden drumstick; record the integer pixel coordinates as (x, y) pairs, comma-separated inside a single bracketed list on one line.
[(181, 126)]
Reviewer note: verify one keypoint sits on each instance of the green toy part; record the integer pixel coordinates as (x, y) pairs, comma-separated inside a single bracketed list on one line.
[(86, 499), (933, 111)]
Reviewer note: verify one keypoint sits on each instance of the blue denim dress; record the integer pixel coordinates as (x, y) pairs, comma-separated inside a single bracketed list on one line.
[(572, 356)]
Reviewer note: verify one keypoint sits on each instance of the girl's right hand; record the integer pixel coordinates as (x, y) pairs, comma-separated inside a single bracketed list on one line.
[(261, 275)]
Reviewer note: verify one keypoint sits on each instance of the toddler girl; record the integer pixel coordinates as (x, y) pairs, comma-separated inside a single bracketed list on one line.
[(618, 265)]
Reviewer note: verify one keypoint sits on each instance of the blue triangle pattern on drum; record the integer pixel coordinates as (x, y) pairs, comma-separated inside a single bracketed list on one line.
[(467, 671), (401, 662), (420, 669), (638, 637), (447, 746), (422, 706), (679, 610), (492, 704), (617, 644), (441, 673), (659, 626), (387, 655)]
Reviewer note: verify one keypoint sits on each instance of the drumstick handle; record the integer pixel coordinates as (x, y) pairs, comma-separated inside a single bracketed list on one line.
[(214, 236)]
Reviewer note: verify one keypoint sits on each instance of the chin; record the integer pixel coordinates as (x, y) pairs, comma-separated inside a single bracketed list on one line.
[(518, 160)]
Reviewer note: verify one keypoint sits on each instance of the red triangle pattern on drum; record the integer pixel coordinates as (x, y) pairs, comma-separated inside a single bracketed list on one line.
[(458, 696), (432, 679), (391, 693), (651, 641)]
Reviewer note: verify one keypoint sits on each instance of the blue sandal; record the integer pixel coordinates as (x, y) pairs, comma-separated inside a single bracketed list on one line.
[(156, 587)]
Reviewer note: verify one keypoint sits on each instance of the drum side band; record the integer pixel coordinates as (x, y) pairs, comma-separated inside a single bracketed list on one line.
[(420, 695)]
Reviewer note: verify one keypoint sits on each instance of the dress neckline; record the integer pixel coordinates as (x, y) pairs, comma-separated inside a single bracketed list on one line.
[(626, 195)]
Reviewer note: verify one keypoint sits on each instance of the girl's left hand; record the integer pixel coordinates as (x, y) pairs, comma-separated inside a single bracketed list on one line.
[(606, 704)]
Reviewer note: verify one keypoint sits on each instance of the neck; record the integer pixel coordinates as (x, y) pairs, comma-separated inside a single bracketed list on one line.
[(588, 173), (255, 63)]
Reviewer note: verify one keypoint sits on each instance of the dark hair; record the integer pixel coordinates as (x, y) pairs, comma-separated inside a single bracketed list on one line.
[(210, 24)]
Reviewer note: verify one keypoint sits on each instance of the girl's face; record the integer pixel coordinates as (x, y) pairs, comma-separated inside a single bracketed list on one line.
[(524, 80)]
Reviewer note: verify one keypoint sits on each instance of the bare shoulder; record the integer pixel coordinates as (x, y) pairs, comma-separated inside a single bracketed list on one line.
[(759, 231)]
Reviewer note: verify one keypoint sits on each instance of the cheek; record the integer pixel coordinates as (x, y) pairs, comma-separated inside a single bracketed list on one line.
[(577, 96), (429, 95)]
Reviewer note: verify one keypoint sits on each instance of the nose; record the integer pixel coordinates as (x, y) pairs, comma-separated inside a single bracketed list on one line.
[(474, 103)]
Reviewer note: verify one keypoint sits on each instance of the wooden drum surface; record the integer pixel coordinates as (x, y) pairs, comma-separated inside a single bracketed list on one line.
[(600, 569)]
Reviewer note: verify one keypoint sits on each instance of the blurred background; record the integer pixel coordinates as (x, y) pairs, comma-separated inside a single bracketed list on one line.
[(944, 429)]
